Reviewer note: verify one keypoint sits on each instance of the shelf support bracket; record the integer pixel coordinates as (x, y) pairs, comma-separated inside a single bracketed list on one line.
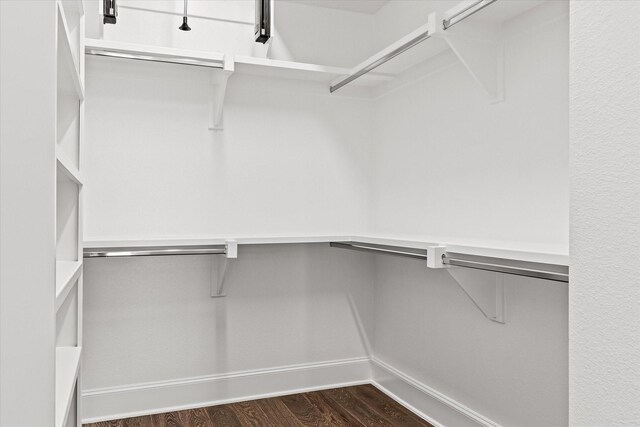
[(480, 49), (219, 268), (219, 79), (484, 288)]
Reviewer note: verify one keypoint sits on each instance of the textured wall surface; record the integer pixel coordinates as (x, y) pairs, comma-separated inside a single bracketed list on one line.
[(288, 151), (604, 296), (151, 319), (449, 163), (451, 166), (515, 374)]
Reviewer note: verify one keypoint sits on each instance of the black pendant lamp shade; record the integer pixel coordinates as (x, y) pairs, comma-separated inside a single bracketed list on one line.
[(184, 26)]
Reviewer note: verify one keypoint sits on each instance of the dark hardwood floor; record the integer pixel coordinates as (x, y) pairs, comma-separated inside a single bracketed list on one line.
[(362, 405)]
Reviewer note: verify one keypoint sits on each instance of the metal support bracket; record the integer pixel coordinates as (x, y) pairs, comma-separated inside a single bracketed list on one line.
[(219, 268), (478, 45), (484, 288), (219, 79)]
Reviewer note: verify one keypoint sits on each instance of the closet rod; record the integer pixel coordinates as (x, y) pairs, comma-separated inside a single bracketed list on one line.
[(507, 269), (446, 24), (375, 64), (487, 263), (156, 58), (153, 251), (404, 252)]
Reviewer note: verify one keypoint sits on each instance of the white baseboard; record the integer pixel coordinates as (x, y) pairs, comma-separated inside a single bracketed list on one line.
[(165, 396), (426, 402)]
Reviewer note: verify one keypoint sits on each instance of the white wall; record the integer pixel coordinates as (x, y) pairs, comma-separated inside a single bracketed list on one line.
[(301, 33), (291, 159), (513, 374), (398, 18), (27, 213), (451, 166), (149, 320), (604, 301), (321, 35), (152, 319)]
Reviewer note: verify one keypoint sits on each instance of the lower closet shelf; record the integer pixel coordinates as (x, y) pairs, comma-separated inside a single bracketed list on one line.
[(67, 366)]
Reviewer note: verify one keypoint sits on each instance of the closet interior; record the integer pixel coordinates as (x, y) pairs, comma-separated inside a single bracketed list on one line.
[(376, 194)]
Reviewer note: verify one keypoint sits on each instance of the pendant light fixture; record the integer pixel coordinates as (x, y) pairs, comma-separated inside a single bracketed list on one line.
[(184, 26)]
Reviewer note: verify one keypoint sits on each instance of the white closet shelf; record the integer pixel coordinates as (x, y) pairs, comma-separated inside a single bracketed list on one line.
[(67, 366), (535, 256), (477, 43), (65, 47), (300, 71), (67, 273), (178, 241), (66, 166), (153, 53), (240, 64)]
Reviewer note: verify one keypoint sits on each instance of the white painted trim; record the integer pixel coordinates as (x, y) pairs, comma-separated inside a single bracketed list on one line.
[(422, 399), (133, 400), (164, 396), (407, 405)]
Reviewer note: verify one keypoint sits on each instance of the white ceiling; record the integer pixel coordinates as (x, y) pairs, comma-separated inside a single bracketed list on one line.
[(360, 6)]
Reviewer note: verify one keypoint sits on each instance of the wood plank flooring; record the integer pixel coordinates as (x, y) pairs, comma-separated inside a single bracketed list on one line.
[(362, 405)]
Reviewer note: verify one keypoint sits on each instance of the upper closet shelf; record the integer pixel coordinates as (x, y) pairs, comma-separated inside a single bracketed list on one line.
[(223, 66), (235, 63), (154, 53), (476, 42)]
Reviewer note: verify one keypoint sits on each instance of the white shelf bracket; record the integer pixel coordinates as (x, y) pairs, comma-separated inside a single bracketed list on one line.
[(219, 79), (219, 268), (479, 46), (484, 288)]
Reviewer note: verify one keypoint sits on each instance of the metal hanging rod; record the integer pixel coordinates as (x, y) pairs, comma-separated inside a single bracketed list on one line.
[(418, 38), (375, 64), (390, 250), (507, 269), (465, 13), (156, 58), (154, 251), (498, 265)]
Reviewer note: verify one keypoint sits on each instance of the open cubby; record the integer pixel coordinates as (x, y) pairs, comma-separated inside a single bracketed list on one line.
[(67, 209), (67, 322)]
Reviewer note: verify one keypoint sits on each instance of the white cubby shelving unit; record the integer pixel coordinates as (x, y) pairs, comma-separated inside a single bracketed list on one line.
[(68, 278)]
